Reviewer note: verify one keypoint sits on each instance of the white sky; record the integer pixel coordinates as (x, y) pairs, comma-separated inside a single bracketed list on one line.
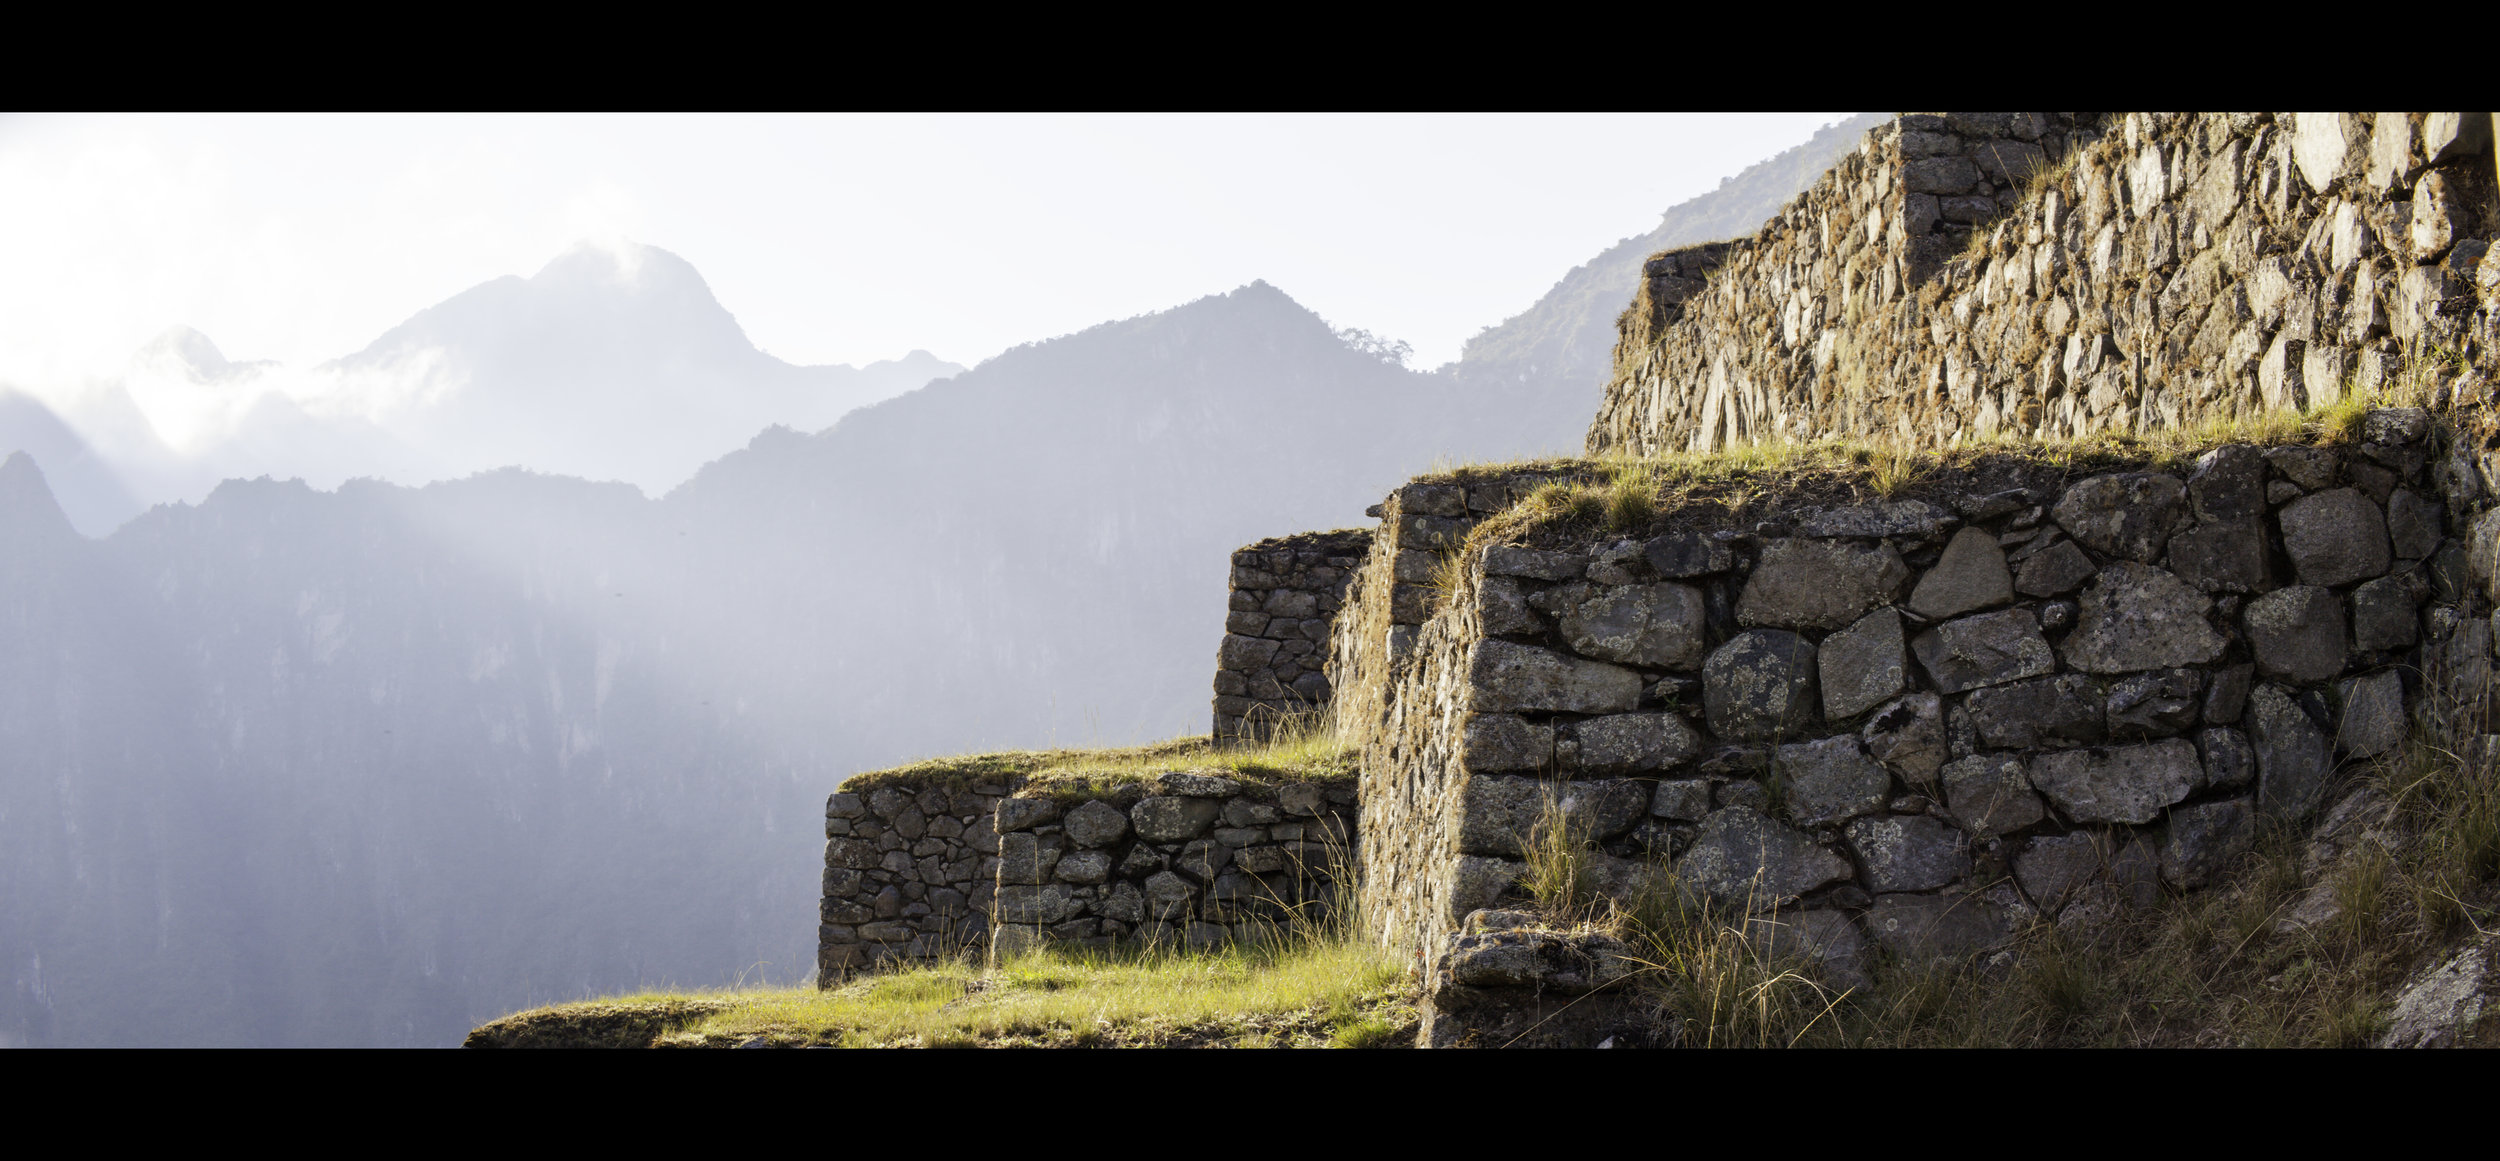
[(833, 239)]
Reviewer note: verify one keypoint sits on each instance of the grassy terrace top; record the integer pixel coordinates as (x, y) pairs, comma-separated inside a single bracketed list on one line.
[(1306, 752), (1310, 990), (1749, 483)]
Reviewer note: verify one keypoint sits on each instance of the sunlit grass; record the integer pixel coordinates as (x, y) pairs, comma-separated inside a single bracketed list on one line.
[(1287, 993), (1300, 748)]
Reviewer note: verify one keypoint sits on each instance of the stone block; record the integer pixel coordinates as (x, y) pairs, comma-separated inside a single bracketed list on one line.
[(1505, 560), (1864, 665), (2297, 634), (1508, 677), (2335, 537), (1095, 824), (1171, 819), (1908, 737), (2153, 705), (2226, 693), (1760, 686), (1661, 626), (1831, 780), (1243, 654), (2294, 759), (2372, 718), (1819, 584), (1908, 852), (1084, 867), (2024, 714), (2054, 570), (1042, 904), (1627, 743), (2200, 842), (2131, 784), (1501, 815), (1987, 649), (2229, 485), (1680, 555), (2226, 557), (2136, 617), (1925, 929), (1502, 609), (2131, 515), (1741, 858), (1686, 800), (1183, 784), (2054, 868), (1971, 575), (1913, 519), (1502, 742), (1989, 794), (2413, 524)]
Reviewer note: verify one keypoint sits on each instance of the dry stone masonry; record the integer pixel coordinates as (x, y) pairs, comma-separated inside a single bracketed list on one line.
[(1914, 725), (2047, 275), (918, 870), (1185, 859), (1272, 662)]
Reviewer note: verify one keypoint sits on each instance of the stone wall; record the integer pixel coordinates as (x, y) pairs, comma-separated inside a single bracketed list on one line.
[(911, 867), (1188, 859), (2047, 275), (1271, 663), (923, 869), (1915, 723)]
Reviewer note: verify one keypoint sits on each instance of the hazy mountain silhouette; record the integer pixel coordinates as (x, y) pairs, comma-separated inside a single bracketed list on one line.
[(1553, 358), (608, 364), (91, 495)]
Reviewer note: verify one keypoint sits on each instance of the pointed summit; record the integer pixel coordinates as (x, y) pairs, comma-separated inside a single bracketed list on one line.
[(28, 512)]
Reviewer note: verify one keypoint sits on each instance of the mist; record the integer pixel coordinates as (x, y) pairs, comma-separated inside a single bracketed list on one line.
[(508, 657)]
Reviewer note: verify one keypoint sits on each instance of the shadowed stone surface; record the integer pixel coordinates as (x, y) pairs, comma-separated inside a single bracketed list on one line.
[(1739, 856), (1970, 576), (1502, 607), (1831, 780), (1504, 560), (1908, 852), (2226, 693), (2383, 614), (1989, 649), (2297, 634), (1928, 928), (1657, 625), (1510, 677), (2226, 557), (1496, 742), (2335, 537), (2057, 569), (1990, 794), (1907, 518), (1760, 686), (2293, 758), (2229, 484), (1863, 666), (2051, 868), (1684, 801), (2019, 715), (1630, 743), (1819, 584), (2130, 516), (1826, 942), (1500, 813), (2118, 783), (1166, 819), (2199, 842), (2413, 525), (2137, 617), (1688, 554), (2229, 762), (2373, 718), (1908, 737), (2152, 705)]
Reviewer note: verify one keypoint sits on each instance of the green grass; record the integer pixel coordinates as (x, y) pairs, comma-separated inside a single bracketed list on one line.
[(1312, 992), (1304, 748)]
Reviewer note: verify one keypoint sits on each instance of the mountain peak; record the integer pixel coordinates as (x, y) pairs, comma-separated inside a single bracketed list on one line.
[(28, 510)]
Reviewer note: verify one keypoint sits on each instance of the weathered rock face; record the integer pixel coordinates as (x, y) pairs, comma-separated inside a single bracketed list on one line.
[(2335, 537), (2118, 783), (1990, 794), (1820, 584), (2025, 714), (1989, 649), (1760, 686), (1656, 625), (1864, 665), (1509, 677), (2127, 516), (1909, 852), (2136, 617), (2297, 634), (1742, 858), (1830, 781), (1970, 576), (2293, 755)]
